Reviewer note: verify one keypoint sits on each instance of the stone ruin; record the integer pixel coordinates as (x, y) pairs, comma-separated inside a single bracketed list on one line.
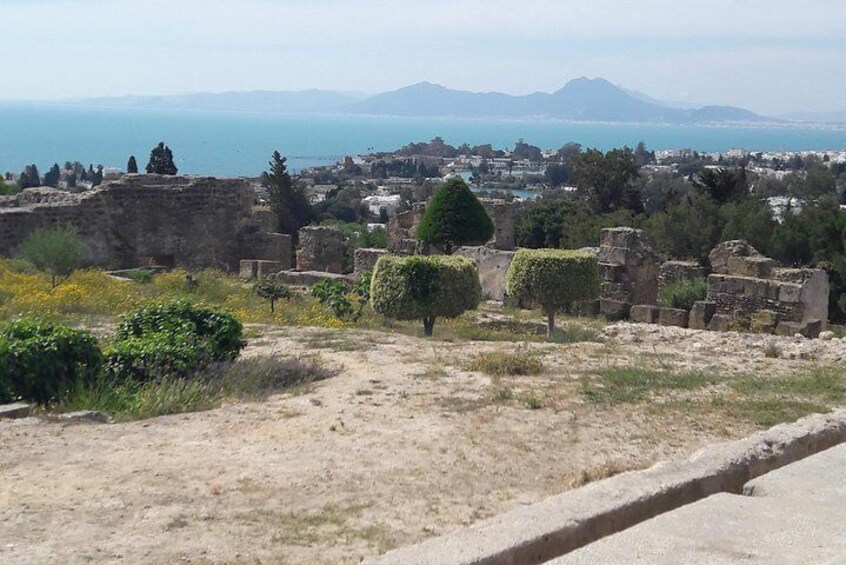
[(151, 220), (745, 289)]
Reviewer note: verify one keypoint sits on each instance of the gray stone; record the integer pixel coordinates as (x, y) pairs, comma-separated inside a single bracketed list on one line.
[(254, 270), (756, 266), (811, 329), (788, 328), (321, 249), (83, 417), (364, 259), (15, 410), (274, 247), (722, 253), (720, 323), (674, 317), (614, 310), (492, 266), (644, 314), (827, 336), (701, 315), (502, 213)]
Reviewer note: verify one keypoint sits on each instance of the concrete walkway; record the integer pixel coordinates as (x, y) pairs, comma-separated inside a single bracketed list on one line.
[(796, 514)]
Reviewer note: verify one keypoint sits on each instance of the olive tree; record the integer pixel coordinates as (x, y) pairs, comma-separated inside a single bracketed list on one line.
[(424, 288), (553, 278)]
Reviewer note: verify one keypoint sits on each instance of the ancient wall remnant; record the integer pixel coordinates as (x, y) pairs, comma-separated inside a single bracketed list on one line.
[(192, 222), (672, 272), (402, 231), (629, 266), (321, 249), (364, 259), (503, 214), (492, 265)]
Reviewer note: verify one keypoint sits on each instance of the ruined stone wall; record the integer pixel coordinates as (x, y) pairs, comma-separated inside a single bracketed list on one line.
[(321, 249), (193, 222), (672, 272), (628, 265), (492, 266), (503, 214)]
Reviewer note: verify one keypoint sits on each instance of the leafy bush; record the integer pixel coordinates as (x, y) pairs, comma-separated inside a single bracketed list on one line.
[(158, 355), (57, 251), (408, 288), (340, 299), (455, 217), (141, 276), (553, 278), (222, 330), (684, 293), (40, 361)]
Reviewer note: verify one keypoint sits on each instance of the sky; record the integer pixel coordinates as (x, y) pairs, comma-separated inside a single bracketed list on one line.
[(771, 56)]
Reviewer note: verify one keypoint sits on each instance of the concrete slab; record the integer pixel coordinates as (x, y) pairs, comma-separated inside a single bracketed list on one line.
[(796, 515)]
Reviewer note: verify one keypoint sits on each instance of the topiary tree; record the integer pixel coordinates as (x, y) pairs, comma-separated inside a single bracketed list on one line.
[(455, 217), (424, 288), (57, 251), (553, 278)]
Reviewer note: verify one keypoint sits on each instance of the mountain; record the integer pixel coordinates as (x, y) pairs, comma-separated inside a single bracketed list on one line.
[(252, 101), (581, 99)]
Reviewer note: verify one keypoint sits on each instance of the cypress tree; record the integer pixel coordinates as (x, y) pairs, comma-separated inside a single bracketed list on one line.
[(455, 217), (132, 165)]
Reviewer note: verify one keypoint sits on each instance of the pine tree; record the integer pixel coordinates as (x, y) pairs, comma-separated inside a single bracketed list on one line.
[(132, 165), (287, 201), (161, 161)]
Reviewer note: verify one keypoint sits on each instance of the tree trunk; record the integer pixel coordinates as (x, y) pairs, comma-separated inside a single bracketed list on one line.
[(550, 322), (272, 306), (428, 326)]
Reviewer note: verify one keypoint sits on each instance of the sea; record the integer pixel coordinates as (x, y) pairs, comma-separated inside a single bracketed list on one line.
[(230, 144)]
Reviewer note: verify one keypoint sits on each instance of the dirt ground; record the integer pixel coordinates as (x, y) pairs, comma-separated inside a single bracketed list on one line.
[(403, 444)]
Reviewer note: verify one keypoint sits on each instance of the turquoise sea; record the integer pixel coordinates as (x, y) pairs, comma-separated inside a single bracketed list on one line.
[(236, 144)]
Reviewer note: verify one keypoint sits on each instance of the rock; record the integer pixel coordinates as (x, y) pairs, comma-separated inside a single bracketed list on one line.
[(674, 317), (788, 328), (756, 266), (364, 259), (720, 255), (321, 249), (84, 416), (254, 269), (15, 410), (701, 315), (644, 314), (811, 329), (827, 336), (720, 323), (614, 310)]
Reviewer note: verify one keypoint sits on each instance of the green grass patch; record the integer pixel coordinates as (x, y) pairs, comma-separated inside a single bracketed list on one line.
[(245, 379), (630, 385), (500, 364), (767, 412)]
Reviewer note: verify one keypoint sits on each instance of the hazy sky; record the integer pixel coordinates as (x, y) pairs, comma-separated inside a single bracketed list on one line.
[(770, 56)]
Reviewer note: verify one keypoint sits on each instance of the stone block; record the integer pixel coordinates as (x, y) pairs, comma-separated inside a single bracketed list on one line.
[(321, 249), (755, 266), (811, 329), (764, 321), (724, 252), (735, 285), (701, 314), (364, 259), (252, 269), (755, 288), (248, 270), (586, 308), (788, 328), (614, 310), (269, 247), (644, 314), (789, 293), (502, 213), (716, 284), (492, 265), (674, 317), (612, 273), (613, 255), (720, 323)]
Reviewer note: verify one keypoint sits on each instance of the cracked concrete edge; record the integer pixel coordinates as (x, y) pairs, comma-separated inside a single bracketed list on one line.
[(565, 522)]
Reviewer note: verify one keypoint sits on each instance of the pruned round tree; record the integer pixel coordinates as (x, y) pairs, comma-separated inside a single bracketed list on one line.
[(455, 217), (424, 288), (553, 279)]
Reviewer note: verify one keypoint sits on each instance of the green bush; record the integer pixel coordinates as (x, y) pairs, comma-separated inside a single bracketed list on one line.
[(553, 278), (684, 293), (157, 355), (57, 251), (333, 295), (39, 362), (222, 330), (455, 217), (409, 288)]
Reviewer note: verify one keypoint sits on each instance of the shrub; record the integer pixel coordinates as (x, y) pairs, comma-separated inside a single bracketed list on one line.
[(455, 217), (272, 290), (222, 330), (501, 364), (408, 288), (553, 278), (333, 294), (40, 361), (684, 293), (57, 251), (158, 355)]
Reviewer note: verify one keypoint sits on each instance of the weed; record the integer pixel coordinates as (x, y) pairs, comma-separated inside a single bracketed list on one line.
[(504, 395), (631, 385), (531, 402), (772, 351), (522, 362)]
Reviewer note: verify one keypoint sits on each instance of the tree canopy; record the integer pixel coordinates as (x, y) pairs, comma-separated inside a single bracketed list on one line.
[(161, 161), (287, 201)]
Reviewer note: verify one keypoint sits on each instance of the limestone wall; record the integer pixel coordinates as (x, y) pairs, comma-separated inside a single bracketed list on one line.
[(492, 265), (628, 265), (321, 249), (171, 220), (503, 214)]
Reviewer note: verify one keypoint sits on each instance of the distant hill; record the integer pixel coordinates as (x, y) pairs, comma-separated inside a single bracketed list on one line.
[(581, 99), (252, 101)]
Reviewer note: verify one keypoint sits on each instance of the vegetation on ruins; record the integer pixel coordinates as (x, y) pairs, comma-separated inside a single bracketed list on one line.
[(57, 251), (288, 201), (7, 189), (553, 278), (455, 217), (424, 288), (683, 294), (161, 161), (40, 361), (272, 290)]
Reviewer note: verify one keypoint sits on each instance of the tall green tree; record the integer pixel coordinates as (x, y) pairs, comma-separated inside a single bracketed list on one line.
[(132, 165), (288, 201), (608, 179), (161, 161), (723, 184), (455, 217), (51, 177)]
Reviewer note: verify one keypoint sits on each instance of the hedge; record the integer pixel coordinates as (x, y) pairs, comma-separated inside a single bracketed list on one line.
[(425, 288), (39, 361), (553, 278)]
